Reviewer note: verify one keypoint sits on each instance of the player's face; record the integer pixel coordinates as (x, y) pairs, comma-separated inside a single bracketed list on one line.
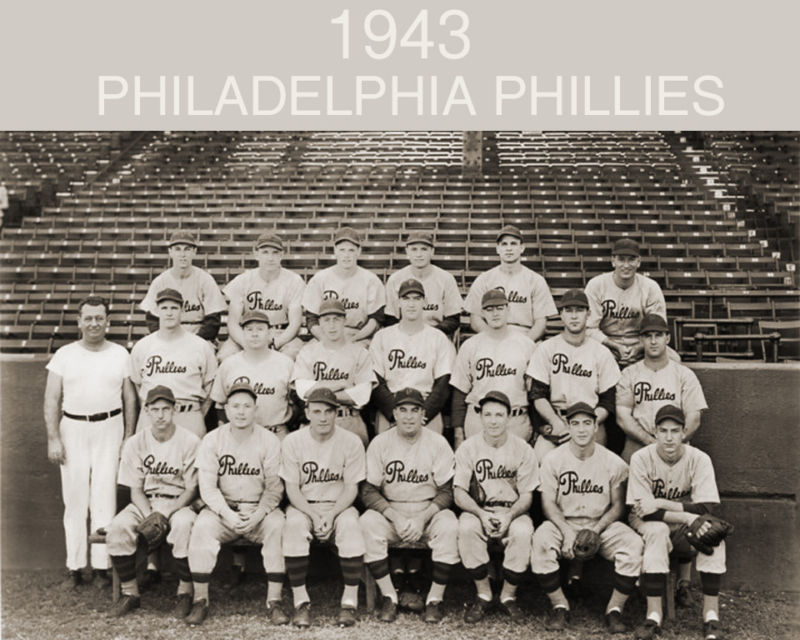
[(509, 249), (160, 412), (93, 322), (496, 315), (574, 318), (582, 428), (411, 306), (268, 258), (169, 314), (655, 343), (669, 438), (419, 254), (182, 255), (408, 418), (241, 410), (494, 417), (321, 418), (625, 267), (346, 254), (332, 325), (256, 335)]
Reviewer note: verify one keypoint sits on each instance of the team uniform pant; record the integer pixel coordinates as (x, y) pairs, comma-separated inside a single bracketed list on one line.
[(122, 536), (382, 424), (191, 419), (618, 543), (519, 425), (89, 485), (473, 543), (298, 532)]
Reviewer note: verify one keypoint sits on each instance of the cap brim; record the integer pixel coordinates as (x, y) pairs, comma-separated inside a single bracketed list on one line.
[(157, 398), (273, 245), (170, 298)]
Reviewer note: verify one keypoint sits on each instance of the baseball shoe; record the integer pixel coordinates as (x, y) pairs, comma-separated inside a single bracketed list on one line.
[(347, 617), (73, 580), (558, 619), (277, 614), (151, 577), (614, 622), (183, 606), (683, 596), (302, 616), (198, 613), (647, 630), (711, 630), (477, 610), (433, 612), (124, 605), (388, 610), (512, 610), (411, 600)]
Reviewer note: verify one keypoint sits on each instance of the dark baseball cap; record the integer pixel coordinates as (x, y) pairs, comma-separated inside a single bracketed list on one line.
[(510, 230), (494, 396), (670, 412), (420, 237), (625, 247), (347, 233), (253, 316), (245, 387), (409, 395), (160, 392), (169, 294), (574, 298), (493, 297), (322, 394), (182, 237), (269, 240), (332, 306), (653, 322), (411, 286), (579, 407)]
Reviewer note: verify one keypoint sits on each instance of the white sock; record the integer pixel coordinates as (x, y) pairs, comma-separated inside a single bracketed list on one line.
[(655, 618), (711, 615)]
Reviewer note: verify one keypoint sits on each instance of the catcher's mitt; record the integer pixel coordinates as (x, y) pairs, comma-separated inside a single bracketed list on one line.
[(705, 538), (681, 547), (587, 544), (154, 529)]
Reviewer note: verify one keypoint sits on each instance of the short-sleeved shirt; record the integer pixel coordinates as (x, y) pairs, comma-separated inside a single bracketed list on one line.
[(582, 488), (529, 297), (618, 313), (362, 294), (442, 297), (322, 469), (337, 369), (645, 391), (504, 473), (201, 296), (273, 298), (91, 380), (409, 471), (166, 468), (690, 479)]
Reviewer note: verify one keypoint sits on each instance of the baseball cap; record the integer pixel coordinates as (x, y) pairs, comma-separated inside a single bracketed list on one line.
[(160, 392), (269, 240), (347, 233), (494, 396), (169, 294), (411, 286), (625, 247), (510, 230), (253, 316), (493, 297), (579, 407), (236, 387), (670, 412), (409, 395), (322, 394), (574, 298), (421, 237), (653, 322), (182, 237), (332, 306)]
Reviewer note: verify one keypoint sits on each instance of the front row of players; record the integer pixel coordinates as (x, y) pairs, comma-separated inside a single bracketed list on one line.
[(407, 480)]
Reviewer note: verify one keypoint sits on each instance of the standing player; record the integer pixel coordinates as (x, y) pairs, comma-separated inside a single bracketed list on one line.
[(322, 466), (203, 303), (359, 290), (412, 354), (406, 495), (504, 471), (570, 368), (158, 464), (583, 487), (239, 466), (529, 299), (671, 484), (89, 407), (443, 303), (342, 366), (271, 289), (494, 359)]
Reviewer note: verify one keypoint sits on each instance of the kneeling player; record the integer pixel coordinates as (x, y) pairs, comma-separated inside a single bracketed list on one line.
[(158, 465), (671, 484), (582, 486), (239, 466), (503, 471), (322, 466)]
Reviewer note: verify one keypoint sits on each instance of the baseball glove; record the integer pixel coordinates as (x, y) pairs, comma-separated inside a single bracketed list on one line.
[(587, 544), (681, 547), (475, 490), (715, 533), (154, 529)]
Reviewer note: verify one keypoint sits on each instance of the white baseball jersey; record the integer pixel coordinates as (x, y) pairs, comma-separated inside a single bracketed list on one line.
[(201, 296), (503, 473), (414, 360), (645, 391), (159, 467), (618, 313), (361, 294), (575, 374), (273, 298), (406, 471), (528, 295), (690, 479), (269, 377), (485, 363), (582, 488), (322, 468), (442, 297), (186, 365), (338, 369)]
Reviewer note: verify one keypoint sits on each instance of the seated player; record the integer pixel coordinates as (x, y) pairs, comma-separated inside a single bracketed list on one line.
[(238, 465), (158, 466), (671, 484), (321, 466), (583, 487), (406, 495), (503, 470)]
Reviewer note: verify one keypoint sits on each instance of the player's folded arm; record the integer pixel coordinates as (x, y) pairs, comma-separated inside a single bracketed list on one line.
[(383, 399), (210, 326), (444, 495), (438, 397), (458, 408), (372, 498), (449, 324)]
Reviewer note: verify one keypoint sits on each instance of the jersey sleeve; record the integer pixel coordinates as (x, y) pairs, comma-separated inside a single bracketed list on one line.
[(355, 462), (364, 372), (608, 369), (235, 289), (528, 472), (375, 462), (136, 363), (548, 479), (131, 471), (294, 296), (618, 471), (446, 353), (704, 484), (210, 364), (539, 366), (312, 294), (655, 303), (444, 463), (475, 293), (190, 459), (463, 471), (594, 294), (218, 392), (638, 485), (376, 294), (302, 366), (692, 396), (207, 454), (290, 462), (213, 300), (461, 378), (377, 351), (543, 304), (271, 456), (453, 303), (148, 303), (625, 388)]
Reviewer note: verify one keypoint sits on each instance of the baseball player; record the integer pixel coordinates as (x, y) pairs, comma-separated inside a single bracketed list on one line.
[(671, 484), (570, 368), (412, 354), (238, 471), (342, 366), (359, 290), (271, 289), (89, 407), (321, 466), (495, 359), (583, 487), (158, 464), (652, 383), (406, 494), (443, 303), (203, 302), (529, 299), (505, 473), (178, 359)]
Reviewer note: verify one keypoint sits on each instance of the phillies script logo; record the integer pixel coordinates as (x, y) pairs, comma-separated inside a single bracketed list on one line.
[(153, 365), (486, 367), (642, 393), (660, 490), (561, 365), (398, 360), (513, 296), (395, 471), (330, 294), (569, 482), (160, 468), (315, 474), (484, 470), (624, 313), (255, 300), (189, 307), (430, 306), (260, 388), (322, 371), (229, 467)]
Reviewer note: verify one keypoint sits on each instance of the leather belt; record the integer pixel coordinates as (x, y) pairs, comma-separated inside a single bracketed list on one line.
[(235, 505), (95, 417), (183, 407), (345, 411), (519, 411), (498, 503), (160, 495)]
